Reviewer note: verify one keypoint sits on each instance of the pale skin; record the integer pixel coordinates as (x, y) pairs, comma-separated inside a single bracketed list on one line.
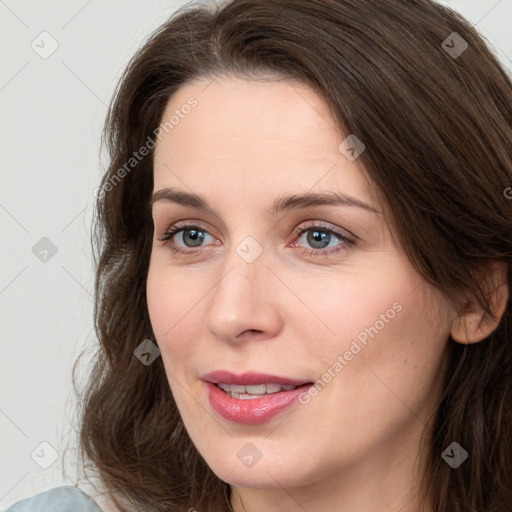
[(356, 445)]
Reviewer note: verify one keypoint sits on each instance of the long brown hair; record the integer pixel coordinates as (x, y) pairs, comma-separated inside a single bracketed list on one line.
[(437, 128)]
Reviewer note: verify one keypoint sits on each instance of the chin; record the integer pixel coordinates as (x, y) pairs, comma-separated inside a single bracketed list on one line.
[(263, 474), (259, 479)]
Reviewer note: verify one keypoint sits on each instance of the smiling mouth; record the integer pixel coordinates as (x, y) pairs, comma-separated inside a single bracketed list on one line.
[(252, 398)]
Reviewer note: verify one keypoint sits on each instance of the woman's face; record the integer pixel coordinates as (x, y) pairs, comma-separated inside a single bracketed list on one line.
[(338, 305)]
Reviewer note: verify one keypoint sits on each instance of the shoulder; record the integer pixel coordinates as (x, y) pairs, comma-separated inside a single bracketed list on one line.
[(58, 499)]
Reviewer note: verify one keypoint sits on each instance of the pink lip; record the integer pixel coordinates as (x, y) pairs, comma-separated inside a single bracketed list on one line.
[(250, 378), (256, 410)]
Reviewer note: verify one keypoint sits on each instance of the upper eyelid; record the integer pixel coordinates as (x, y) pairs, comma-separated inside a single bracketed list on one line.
[(178, 227), (308, 210), (182, 224)]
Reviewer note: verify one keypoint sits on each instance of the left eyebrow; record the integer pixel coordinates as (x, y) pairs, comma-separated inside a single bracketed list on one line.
[(332, 198), (281, 204)]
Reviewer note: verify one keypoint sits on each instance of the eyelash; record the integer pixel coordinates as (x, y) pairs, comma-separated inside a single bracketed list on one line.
[(347, 241)]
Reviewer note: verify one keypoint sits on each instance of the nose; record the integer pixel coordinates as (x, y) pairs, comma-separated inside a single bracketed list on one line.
[(244, 302)]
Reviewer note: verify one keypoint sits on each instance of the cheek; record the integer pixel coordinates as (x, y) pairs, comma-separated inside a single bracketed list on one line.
[(398, 364), (177, 305), (171, 302), (357, 305), (171, 294), (161, 303), (390, 325)]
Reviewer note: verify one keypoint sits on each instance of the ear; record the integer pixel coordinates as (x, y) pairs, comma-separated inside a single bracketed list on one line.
[(473, 324)]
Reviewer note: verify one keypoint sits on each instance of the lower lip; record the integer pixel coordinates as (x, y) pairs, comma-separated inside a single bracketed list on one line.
[(252, 411)]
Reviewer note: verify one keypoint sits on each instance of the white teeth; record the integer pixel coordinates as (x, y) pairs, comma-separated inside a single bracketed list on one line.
[(243, 396), (259, 389), (253, 391)]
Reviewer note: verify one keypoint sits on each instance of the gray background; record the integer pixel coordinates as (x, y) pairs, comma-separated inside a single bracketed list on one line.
[(52, 111)]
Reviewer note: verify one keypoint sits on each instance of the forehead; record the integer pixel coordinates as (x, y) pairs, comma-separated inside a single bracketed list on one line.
[(275, 134), (242, 109)]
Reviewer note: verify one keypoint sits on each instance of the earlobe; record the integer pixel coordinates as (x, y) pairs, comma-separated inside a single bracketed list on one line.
[(473, 324)]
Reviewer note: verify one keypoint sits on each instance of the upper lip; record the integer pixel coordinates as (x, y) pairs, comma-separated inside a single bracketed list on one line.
[(250, 378)]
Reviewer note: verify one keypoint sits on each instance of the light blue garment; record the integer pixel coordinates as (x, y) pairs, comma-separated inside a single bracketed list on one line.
[(59, 499)]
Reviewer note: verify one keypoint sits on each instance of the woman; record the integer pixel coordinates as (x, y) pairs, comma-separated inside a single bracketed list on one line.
[(303, 276)]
